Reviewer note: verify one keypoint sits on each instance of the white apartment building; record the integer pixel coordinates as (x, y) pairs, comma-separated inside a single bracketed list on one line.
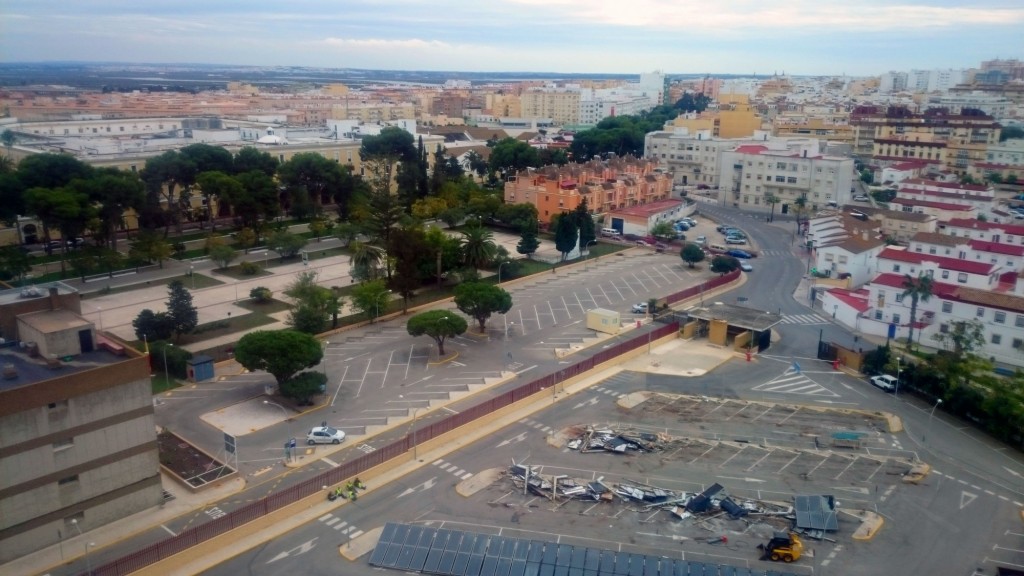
[(1010, 153), (995, 106), (1011, 234), (752, 172), (853, 258)]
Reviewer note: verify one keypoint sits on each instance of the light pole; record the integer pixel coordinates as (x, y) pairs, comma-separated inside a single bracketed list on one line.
[(88, 545), (896, 393), (376, 302), (932, 413), (192, 275), (326, 379), (835, 308), (412, 427), (586, 257), (499, 271), (167, 379), (283, 413)]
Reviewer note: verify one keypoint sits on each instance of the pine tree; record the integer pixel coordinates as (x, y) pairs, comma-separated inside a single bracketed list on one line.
[(182, 313), (528, 242)]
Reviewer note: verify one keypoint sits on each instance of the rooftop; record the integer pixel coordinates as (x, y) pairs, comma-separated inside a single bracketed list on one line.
[(956, 264), (649, 209), (35, 370)]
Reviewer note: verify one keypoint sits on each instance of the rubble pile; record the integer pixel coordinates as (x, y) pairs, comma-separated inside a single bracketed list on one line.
[(619, 442), (713, 502)]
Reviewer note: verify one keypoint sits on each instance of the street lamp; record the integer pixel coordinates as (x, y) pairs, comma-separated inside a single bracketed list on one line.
[(932, 413), (326, 344), (376, 302), (412, 427), (192, 274), (896, 393), (88, 545), (499, 271), (166, 377), (586, 257), (283, 413)]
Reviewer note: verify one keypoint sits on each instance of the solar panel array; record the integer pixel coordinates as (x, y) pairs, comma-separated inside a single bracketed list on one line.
[(815, 513), (456, 553)]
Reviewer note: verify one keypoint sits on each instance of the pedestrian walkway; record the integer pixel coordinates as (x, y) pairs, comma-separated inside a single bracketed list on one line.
[(804, 319), (793, 382)]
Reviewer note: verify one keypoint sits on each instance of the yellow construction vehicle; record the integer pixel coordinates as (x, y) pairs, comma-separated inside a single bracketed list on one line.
[(784, 546)]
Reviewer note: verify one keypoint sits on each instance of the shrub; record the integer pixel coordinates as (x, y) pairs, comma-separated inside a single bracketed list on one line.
[(261, 294), (250, 268)]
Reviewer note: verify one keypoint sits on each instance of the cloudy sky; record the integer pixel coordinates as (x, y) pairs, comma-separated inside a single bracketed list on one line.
[(857, 37)]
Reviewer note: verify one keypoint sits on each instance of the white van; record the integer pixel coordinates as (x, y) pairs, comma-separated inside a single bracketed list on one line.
[(610, 232)]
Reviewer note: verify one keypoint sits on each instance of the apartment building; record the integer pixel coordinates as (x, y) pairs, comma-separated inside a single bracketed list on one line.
[(77, 434), (606, 185), (1012, 234), (754, 173), (559, 104)]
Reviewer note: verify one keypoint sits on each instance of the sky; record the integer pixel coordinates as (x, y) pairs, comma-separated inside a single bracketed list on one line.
[(798, 37)]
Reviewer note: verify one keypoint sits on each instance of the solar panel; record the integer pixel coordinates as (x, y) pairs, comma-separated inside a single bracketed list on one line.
[(489, 567), (518, 568), (504, 567), (469, 542), (535, 552), (593, 560), (579, 557), (815, 513), (564, 557)]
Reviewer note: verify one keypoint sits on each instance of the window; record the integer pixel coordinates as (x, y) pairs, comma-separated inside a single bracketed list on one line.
[(997, 339), (842, 259), (895, 318), (980, 313), (999, 317), (899, 298), (878, 314), (68, 480), (58, 405), (944, 328), (1018, 321), (63, 444), (895, 267), (1017, 343), (945, 274), (947, 307), (962, 278)]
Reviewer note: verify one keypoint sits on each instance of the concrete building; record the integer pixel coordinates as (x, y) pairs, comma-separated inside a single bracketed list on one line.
[(640, 219), (752, 174), (77, 434), (559, 104), (854, 258)]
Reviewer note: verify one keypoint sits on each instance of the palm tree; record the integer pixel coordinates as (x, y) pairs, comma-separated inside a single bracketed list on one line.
[(477, 245), (919, 289), (771, 199), (365, 260)]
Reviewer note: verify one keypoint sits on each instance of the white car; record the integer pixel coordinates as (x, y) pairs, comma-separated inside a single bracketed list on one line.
[(640, 308), (325, 435), (884, 382), (746, 267), (701, 240), (860, 198)]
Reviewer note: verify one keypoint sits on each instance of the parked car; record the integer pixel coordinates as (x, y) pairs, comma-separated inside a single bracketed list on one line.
[(746, 267), (736, 253), (733, 232), (885, 382), (325, 435), (701, 241), (640, 308), (735, 240), (630, 237), (860, 198), (690, 221), (682, 226)]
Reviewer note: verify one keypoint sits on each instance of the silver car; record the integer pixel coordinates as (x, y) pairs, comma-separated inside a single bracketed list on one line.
[(325, 435), (885, 382)]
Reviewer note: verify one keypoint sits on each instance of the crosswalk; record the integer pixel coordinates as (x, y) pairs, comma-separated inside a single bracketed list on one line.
[(452, 469), (774, 253), (340, 526), (792, 382), (804, 319)]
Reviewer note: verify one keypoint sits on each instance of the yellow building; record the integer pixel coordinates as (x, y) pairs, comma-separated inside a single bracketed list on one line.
[(736, 117), (503, 105), (335, 90), (561, 106)]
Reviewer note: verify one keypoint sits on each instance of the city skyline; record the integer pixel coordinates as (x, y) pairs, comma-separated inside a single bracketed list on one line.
[(801, 37)]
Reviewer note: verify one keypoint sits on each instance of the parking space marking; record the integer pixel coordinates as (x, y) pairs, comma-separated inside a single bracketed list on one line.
[(790, 382), (452, 469)]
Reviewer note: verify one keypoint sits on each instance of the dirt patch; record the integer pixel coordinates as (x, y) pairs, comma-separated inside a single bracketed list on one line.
[(187, 463)]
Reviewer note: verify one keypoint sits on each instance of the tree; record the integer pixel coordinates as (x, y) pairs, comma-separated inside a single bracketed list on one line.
[(346, 232), (724, 264), (438, 324), (446, 251), (477, 163), (319, 177), (182, 313), (113, 192), (452, 216), (314, 304), (566, 235), (479, 300), (152, 326), (8, 138), (255, 203), (528, 242), (691, 254), (303, 386), (14, 263), (282, 353), (1011, 132), (692, 102), (771, 200), (919, 289), (380, 211), (478, 247), (510, 155), (286, 244), (223, 255), (662, 231), (584, 223), (163, 175), (963, 338), (250, 159), (150, 247), (365, 261), (411, 255), (217, 185), (51, 170), (371, 298)]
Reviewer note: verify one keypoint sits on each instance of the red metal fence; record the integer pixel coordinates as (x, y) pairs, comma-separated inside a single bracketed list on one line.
[(702, 287), (193, 536)]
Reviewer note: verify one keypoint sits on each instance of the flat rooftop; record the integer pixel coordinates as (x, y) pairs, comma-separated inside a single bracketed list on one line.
[(30, 370)]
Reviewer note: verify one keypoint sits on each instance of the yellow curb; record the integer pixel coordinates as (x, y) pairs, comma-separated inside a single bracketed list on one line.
[(445, 361), (357, 547), (870, 525), (917, 474)]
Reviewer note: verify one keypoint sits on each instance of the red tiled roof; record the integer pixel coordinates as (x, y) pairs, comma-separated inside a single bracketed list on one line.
[(937, 184), (892, 280), (908, 165), (649, 209), (751, 149), (856, 300), (997, 248), (928, 204), (943, 262), (979, 225)]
